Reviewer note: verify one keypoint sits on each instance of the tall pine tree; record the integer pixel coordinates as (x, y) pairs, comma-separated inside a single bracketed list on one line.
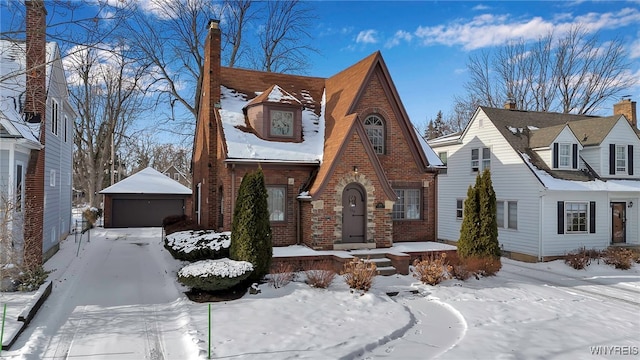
[(488, 245), (251, 229), (479, 231), (470, 231)]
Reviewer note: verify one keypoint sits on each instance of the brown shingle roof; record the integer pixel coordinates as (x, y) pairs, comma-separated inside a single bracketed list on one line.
[(539, 129), (308, 90)]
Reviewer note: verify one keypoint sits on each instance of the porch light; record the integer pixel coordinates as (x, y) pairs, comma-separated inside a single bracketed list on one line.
[(355, 169), (630, 204)]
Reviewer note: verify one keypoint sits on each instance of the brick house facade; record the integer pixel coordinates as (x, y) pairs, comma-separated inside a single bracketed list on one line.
[(343, 165)]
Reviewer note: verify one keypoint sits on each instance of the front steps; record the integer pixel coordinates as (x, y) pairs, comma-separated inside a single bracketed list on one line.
[(383, 264)]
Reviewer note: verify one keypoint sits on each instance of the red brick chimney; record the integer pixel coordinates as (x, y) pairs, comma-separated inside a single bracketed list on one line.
[(205, 169), (35, 111), (36, 49), (627, 108)]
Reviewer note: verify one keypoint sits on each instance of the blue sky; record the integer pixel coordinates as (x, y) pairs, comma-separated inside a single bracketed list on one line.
[(426, 44)]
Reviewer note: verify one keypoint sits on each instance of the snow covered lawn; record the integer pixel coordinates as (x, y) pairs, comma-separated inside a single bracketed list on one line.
[(120, 299)]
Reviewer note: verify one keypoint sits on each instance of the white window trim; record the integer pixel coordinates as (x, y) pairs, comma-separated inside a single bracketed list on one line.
[(461, 209), (568, 156), (284, 203), (55, 118), (620, 170), (480, 161), (404, 210), (587, 217), (52, 178)]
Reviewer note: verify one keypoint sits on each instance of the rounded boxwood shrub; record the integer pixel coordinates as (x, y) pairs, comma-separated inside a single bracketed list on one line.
[(213, 275), (194, 245)]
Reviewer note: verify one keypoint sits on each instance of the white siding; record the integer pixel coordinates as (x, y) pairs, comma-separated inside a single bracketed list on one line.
[(512, 180), (592, 155), (559, 244), (621, 134)]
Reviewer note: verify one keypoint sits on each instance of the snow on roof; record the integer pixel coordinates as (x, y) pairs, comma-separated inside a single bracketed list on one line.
[(433, 158), (13, 84), (246, 145), (552, 183), (147, 181), (445, 138)]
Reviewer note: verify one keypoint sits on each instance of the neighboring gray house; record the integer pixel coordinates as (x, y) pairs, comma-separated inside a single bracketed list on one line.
[(562, 181), (25, 135)]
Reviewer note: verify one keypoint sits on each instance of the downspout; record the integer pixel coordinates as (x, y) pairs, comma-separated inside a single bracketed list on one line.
[(541, 227), (298, 225), (233, 192)]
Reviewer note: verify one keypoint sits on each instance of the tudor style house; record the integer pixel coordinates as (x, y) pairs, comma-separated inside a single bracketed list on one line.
[(344, 167), (562, 181), (36, 143)]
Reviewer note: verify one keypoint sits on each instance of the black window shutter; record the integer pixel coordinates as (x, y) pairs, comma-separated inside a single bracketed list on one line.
[(575, 156), (630, 149), (560, 217), (555, 155), (592, 217), (612, 159)]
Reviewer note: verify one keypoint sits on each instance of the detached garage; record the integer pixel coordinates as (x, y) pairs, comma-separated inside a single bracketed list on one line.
[(144, 199)]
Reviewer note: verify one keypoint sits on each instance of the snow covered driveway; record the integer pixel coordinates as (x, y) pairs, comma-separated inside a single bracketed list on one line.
[(117, 300)]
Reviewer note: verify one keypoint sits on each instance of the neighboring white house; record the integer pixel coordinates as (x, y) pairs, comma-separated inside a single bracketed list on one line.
[(562, 181), (18, 138)]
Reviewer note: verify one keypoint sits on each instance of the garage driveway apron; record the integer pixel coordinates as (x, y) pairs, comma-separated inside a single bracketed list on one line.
[(121, 300)]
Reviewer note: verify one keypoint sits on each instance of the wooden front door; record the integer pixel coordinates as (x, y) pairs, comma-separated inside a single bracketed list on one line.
[(618, 222), (353, 214)]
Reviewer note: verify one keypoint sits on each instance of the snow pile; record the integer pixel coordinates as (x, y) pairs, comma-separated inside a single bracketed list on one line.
[(220, 267), (191, 240), (281, 96)]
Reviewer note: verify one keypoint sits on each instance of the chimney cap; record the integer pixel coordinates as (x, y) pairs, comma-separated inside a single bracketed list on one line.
[(214, 24)]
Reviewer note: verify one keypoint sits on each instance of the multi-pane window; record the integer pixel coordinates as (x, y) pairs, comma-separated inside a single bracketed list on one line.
[(576, 216), (459, 206), (375, 131), (621, 158), (276, 202), (408, 204), (512, 213), (443, 158), (476, 160), (54, 117), (511, 220), (564, 155), (500, 213), (486, 158), (19, 188)]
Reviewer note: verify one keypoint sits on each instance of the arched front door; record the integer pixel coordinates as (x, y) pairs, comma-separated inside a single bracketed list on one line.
[(354, 214)]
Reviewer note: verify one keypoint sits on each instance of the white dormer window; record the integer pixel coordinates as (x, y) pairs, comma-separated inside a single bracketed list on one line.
[(564, 155), (621, 159)]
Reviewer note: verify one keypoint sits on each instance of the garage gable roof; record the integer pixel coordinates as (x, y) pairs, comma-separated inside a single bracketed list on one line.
[(147, 181)]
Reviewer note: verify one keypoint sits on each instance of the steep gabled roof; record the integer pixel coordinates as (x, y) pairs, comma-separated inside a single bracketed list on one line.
[(275, 94), (592, 131)]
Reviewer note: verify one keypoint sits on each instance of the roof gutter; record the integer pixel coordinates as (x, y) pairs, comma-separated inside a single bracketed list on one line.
[(271, 161)]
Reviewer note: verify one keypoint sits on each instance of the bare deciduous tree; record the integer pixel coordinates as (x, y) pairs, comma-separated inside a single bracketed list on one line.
[(284, 38), (107, 89), (575, 73)]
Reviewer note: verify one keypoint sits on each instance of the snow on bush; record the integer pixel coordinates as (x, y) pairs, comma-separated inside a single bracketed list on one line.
[(194, 245), (212, 275)]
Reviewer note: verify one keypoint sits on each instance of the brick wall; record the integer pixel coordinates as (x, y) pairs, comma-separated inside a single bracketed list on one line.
[(35, 109), (399, 162)]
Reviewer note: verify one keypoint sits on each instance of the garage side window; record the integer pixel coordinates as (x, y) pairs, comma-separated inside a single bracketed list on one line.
[(276, 202)]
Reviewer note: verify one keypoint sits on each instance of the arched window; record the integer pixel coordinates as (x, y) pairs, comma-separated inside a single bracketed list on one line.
[(375, 131)]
